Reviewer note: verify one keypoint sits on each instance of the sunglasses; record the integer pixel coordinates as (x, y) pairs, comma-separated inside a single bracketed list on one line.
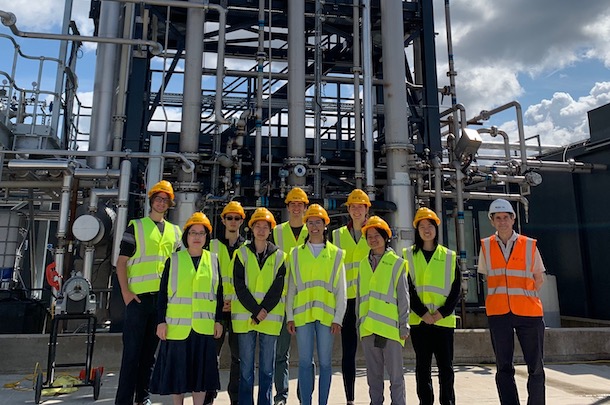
[(230, 218)]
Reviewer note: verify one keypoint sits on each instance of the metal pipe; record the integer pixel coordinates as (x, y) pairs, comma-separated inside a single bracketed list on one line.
[(19, 184), (461, 235), (284, 76), (43, 164), (367, 64), (88, 261), (9, 20), (357, 70), (122, 211), (104, 85), (317, 101), (494, 131), (97, 193), (485, 115), (457, 107), (451, 73), (296, 87), (80, 173), (438, 186), (119, 118), (260, 60), (399, 188)]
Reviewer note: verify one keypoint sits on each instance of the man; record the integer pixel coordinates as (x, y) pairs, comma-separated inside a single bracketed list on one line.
[(232, 217), (286, 236), (351, 239), (514, 271), (146, 245)]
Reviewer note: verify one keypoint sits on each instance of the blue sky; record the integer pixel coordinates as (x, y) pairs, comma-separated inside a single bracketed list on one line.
[(552, 56)]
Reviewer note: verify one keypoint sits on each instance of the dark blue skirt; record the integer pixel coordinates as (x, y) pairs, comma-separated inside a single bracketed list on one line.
[(188, 365)]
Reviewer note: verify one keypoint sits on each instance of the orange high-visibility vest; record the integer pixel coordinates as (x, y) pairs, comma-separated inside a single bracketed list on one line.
[(510, 284)]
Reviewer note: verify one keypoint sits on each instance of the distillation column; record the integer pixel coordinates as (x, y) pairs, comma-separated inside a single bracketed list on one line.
[(399, 188)]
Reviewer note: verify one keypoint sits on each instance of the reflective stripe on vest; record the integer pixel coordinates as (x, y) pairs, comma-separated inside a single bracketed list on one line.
[(354, 253), (432, 281), (145, 267), (283, 237), (315, 298), (191, 302), (378, 310), (226, 268), (510, 283), (258, 281)]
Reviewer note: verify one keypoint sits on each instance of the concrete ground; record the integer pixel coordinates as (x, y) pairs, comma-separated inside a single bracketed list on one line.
[(566, 384)]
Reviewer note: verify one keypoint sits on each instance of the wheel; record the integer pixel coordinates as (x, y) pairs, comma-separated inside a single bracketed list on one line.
[(37, 388), (97, 383)]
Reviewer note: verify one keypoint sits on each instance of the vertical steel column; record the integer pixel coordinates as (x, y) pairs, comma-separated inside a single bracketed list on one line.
[(296, 87), (357, 70), (367, 63), (317, 109), (59, 78), (260, 60), (399, 187), (103, 88)]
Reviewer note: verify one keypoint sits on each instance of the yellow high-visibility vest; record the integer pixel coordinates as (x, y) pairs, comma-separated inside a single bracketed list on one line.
[(226, 268), (316, 279), (283, 236), (354, 253), (258, 282), (191, 295), (432, 281), (378, 309), (145, 267)]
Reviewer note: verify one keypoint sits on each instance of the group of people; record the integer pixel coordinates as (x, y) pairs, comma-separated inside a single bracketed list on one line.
[(193, 293)]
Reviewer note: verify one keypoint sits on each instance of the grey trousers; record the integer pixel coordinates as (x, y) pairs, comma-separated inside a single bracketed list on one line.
[(388, 358)]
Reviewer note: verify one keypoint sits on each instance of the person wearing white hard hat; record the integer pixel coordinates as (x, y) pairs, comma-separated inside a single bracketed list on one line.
[(514, 271)]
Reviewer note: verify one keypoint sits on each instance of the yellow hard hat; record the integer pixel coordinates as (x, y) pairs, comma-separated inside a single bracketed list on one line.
[(425, 213), (316, 210), (296, 194), (199, 218), (377, 222), (262, 214), (358, 197), (163, 186), (233, 207)]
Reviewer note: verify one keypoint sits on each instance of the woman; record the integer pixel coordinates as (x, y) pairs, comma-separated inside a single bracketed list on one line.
[(383, 303), (434, 287), (349, 238), (190, 310), (259, 277), (316, 301)]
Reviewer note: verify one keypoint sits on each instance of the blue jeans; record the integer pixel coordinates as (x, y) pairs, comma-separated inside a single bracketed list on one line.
[(324, 342), (266, 363)]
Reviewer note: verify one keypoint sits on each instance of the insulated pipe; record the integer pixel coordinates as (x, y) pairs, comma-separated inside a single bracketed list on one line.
[(399, 188), (367, 64), (62, 224), (296, 87), (43, 164), (119, 118), (104, 86), (317, 102), (485, 115), (97, 193), (461, 235), (123, 201), (88, 261), (9, 20), (191, 109), (357, 70), (260, 60), (80, 173)]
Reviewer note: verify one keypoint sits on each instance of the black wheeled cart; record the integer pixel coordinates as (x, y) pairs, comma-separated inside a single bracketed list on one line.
[(89, 376)]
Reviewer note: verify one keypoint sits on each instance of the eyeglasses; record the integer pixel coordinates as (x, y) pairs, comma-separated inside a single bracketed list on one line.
[(231, 218), (197, 234), (161, 199)]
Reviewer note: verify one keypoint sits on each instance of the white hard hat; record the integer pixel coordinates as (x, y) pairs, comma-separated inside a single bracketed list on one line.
[(500, 205)]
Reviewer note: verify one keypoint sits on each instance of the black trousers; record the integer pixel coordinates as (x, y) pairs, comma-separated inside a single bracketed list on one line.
[(349, 345), (434, 340), (139, 346), (530, 332), (233, 386)]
